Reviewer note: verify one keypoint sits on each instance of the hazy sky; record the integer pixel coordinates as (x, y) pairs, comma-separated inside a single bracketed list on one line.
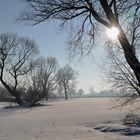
[(52, 43)]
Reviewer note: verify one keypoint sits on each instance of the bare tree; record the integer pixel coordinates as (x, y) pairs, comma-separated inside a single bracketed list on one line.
[(121, 77), (43, 80), (16, 55), (81, 92), (66, 77)]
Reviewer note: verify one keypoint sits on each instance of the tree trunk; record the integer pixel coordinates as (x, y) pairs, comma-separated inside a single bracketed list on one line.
[(66, 94), (12, 92), (18, 100), (128, 50), (47, 95), (45, 92), (129, 55)]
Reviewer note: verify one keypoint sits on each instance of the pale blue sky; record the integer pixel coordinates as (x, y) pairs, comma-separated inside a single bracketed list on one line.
[(52, 43)]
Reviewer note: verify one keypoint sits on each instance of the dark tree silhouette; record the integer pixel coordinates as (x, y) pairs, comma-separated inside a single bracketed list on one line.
[(16, 54), (65, 77), (81, 92), (43, 79), (121, 77), (86, 13)]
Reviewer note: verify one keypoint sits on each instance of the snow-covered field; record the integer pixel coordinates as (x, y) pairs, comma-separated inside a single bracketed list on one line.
[(78, 119)]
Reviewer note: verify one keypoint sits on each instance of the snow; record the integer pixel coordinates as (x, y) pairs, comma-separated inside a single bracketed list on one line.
[(119, 128), (78, 119)]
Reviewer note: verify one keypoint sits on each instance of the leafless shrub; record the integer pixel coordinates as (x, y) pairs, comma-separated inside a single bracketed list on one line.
[(131, 119)]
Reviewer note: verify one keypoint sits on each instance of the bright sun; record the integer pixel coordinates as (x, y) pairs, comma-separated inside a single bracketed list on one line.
[(112, 33)]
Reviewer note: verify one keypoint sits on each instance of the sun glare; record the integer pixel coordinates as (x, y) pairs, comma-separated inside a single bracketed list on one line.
[(112, 33)]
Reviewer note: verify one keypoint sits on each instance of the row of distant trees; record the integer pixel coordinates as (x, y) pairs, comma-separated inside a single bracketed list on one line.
[(27, 77)]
